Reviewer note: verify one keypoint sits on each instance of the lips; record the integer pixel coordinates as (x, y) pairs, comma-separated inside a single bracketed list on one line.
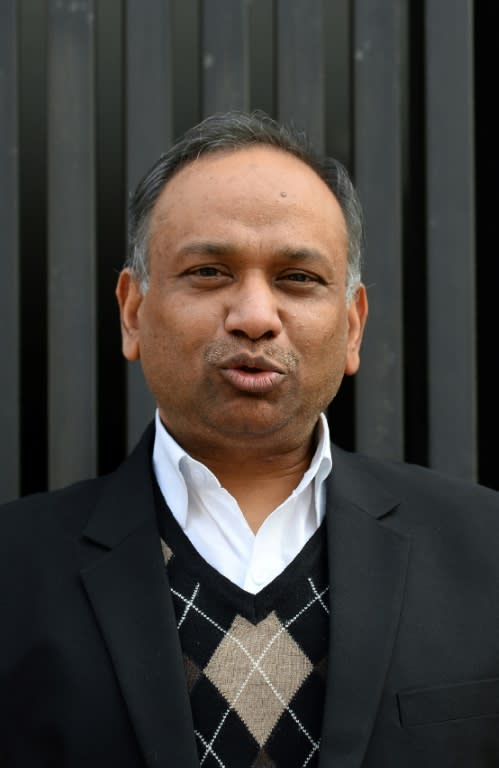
[(253, 374), (253, 362)]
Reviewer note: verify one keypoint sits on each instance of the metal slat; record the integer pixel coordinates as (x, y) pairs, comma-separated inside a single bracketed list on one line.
[(9, 255), (186, 84), (378, 176), (71, 228), (111, 229), (451, 237), (225, 55), (338, 79), (149, 130), (32, 96), (261, 34), (301, 70)]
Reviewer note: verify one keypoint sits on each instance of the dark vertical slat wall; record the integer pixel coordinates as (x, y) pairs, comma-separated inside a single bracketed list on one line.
[(72, 340), (378, 175), (300, 46), (225, 55), (386, 89), (149, 134), (186, 45), (336, 39), (262, 61), (9, 255), (110, 229), (451, 237)]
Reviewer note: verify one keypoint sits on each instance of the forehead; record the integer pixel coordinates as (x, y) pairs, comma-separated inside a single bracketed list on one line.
[(257, 184)]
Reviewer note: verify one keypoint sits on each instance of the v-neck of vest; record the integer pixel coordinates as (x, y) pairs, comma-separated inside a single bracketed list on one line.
[(254, 607)]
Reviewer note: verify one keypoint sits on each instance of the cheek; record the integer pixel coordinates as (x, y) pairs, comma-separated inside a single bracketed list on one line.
[(323, 348), (322, 332), (177, 336)]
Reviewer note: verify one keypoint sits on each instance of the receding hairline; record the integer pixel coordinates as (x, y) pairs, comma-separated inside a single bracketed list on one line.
[(212, 154)]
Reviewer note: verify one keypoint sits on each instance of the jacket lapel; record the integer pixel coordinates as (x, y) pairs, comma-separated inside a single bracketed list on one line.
[(367, 568), (128, 590)]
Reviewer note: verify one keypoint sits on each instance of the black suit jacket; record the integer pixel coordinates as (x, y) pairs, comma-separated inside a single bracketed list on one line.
[(91, 670)]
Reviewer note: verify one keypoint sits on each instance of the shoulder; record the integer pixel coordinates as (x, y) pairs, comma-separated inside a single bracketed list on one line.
[(400, 472), (66, 510), (411, 476), (41, 544), (419, 494)]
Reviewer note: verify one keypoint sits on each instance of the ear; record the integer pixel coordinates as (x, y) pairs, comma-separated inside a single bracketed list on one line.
[(357, 316), (129, 298)]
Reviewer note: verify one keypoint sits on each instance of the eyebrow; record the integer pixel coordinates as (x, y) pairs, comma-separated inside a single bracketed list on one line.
[(210, 248), (302, 253), (206, 247)]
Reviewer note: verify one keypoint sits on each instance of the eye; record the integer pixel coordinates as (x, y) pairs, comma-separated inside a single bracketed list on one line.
[(206, 272), (299, 277), (303, 278), (208, 276)]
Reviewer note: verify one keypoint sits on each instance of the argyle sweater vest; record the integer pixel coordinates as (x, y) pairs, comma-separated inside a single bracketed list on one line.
[(255, 665)]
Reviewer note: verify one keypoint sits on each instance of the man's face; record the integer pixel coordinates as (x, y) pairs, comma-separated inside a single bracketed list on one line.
[(244, 333)]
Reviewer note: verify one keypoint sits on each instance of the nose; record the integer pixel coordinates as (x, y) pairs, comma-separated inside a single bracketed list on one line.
[(253, 310)]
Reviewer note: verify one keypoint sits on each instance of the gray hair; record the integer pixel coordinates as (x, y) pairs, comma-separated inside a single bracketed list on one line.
[(231, 131)]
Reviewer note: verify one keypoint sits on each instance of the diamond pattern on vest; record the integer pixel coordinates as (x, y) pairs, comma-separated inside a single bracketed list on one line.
[(250, 661)]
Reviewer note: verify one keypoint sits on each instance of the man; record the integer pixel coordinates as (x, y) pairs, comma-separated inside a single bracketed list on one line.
[(239, 593)]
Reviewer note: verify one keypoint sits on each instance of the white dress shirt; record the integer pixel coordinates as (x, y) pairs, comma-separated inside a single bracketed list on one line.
[(212, 519)]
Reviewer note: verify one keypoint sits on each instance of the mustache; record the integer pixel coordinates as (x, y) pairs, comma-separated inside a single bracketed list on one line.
[(219, 351)]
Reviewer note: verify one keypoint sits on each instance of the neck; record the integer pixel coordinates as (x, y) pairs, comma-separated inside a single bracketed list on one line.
[(259, 481), (263, 485), (259, 477)]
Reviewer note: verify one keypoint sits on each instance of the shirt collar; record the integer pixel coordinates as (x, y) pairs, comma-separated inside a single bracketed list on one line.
[(173, 466)]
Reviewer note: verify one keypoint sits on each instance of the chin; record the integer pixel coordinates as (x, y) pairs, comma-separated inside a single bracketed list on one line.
[(252, 426), (249, 428)]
